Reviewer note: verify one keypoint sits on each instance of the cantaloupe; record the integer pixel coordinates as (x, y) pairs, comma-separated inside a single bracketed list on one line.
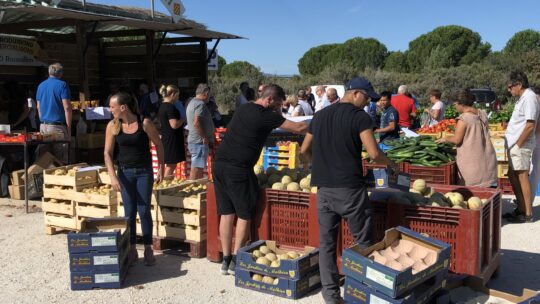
[(419, 185), (271, 256), (263, 261), (257, 277), (264, 250), (313, 189), (293, 186), (474, 203), (284, 256), (286, 180), (268, 280), (293, 255), (275, 263), (257, 253), (279, 186), (258, 169), (276, 281), (304, 183)]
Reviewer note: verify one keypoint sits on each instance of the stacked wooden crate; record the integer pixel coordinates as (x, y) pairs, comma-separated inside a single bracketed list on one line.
[(60, 187)]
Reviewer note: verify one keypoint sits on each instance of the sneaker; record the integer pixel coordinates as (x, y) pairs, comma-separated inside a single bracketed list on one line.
[(512, 214), (149, 258), (232, 264), (521, 219), (334, 299), (225, 265)]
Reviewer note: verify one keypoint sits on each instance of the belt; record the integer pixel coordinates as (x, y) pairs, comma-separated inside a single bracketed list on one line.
[(54, 123)]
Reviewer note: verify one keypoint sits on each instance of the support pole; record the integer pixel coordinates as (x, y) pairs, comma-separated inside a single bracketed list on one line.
[(84, 88), (150, 63)]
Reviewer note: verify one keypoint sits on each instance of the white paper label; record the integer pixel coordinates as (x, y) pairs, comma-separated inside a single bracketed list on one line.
[(106, 260), (379, 277), (104, 241), (107, 278), (315, 279), (376, 300)]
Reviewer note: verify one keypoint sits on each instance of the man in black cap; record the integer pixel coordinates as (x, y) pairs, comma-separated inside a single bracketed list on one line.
[(334, 143)]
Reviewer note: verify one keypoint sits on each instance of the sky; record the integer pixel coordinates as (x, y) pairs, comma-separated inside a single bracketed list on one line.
[(279, 32)]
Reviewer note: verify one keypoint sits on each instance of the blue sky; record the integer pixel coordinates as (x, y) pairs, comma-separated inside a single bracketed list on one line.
[(279, 32)]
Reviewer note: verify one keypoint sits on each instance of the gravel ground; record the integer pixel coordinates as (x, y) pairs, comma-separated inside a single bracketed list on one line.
[(35, 268)]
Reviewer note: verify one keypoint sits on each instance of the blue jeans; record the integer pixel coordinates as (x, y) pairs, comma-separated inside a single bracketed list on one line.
[(136, 186)]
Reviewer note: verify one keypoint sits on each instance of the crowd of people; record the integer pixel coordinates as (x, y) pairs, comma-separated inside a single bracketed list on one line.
[(341, 127)]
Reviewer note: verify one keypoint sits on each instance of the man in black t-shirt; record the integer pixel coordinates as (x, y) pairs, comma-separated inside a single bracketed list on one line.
[(235, 182), (334, 142)]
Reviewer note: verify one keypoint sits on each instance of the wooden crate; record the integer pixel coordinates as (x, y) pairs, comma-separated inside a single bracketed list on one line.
[(435, 135), (108, 199), (80, 177), (54, 191), (97, 211), (176, 216), (66, 207), (104, 177), (167, 231), (197, 202), (153, 199), (16, 192), (62, 221), (17, 178)]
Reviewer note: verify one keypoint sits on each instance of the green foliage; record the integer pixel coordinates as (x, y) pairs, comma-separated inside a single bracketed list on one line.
[(396, 62), (312, 61), (450, 112), (241, 69), (504, 114), (359, 52), (446, 46), (522, 42)]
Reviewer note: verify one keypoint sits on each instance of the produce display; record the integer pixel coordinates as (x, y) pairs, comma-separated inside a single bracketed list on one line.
[(284, 179), (402, 254), (265, 279), (63, 171), (190, 190), (168, 183), (420, 194), (445, 125), (420, 151), (265, 256), (100, 189)]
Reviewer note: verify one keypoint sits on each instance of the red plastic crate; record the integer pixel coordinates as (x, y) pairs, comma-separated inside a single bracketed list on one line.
[(475, 235), (443, 175), (380, 225), (367, 165), (505, 186)]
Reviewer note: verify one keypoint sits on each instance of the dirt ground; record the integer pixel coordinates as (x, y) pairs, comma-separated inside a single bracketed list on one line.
[(34, 268)]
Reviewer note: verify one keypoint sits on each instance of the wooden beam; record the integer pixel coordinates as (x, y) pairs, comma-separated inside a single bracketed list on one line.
[(121, 33), (203, 61), (50, 23), (84, 89), (143, 42), (150, 63)]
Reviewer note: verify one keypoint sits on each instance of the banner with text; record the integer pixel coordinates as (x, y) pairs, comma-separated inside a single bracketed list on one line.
[(15, 50)]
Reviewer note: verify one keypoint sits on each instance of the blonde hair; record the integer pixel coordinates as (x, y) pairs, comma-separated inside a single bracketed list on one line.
[(168, 90), (292, 100)]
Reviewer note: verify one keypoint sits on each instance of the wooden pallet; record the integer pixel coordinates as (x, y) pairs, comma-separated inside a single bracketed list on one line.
[(62, 221), (52, 230), (197, 250)]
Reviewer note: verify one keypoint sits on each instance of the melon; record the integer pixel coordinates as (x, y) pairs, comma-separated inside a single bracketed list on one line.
[(293, 186), (304, 183), (268, 280), (284, 256), (454, 198), (258, 169), (474, 203), (293, 255), (271, 256), (419, 185), (313, 189), (257, 253), (457, 207), (279, 186), (275, 263), (264, 249), (263, 261), (276, 281), (286, 180), (257, 277)]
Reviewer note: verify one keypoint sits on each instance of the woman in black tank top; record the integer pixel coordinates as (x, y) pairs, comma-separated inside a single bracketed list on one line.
[(128, 139)]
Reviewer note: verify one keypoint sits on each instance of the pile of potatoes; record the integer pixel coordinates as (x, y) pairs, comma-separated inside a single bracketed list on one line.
[(100, 190), (63, 171), (168, 183), (284, 179), (265, 279), (265, 256), (180, 210), (55, 201), (191, 190)]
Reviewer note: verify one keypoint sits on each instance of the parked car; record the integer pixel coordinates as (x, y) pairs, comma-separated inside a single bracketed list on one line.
[(487, 97)]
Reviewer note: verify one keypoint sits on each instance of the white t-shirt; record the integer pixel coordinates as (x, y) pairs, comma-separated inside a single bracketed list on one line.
[(306, 107), (323, 103), (439, 105), (33, 110), (526, 108)]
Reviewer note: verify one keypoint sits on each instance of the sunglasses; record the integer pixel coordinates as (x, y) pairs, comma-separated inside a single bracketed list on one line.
[(510, 86)]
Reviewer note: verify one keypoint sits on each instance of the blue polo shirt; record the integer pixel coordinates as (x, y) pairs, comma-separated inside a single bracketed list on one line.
[(50, 94), (389, 115)]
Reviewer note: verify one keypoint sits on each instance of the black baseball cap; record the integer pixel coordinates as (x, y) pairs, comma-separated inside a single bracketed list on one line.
[(360, 83)]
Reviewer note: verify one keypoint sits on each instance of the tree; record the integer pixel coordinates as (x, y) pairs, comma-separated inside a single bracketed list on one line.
[(241, 69), (522, 42), (361, 53), (396, 62), (311, 62), (458, 44)]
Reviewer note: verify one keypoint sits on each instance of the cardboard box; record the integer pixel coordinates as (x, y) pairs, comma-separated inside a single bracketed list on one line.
[(99, 235), (291, 289), (527, 296), (380, 179), (16, 192), (99, 278), (99, 261), (357, 292), (17, 177), (357, 264), (288, 269)]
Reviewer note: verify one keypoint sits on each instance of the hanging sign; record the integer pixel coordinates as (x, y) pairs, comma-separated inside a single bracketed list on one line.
[(16, 50)]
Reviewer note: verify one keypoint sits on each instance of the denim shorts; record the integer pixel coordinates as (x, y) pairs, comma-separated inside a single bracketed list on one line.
[(199, 155)]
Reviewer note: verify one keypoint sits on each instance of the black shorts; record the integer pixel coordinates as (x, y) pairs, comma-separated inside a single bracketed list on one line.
[(237, 190)]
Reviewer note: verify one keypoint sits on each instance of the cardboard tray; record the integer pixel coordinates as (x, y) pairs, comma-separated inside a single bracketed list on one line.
[(288, 269), (388, 281), (99, 235), (99, 261)]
